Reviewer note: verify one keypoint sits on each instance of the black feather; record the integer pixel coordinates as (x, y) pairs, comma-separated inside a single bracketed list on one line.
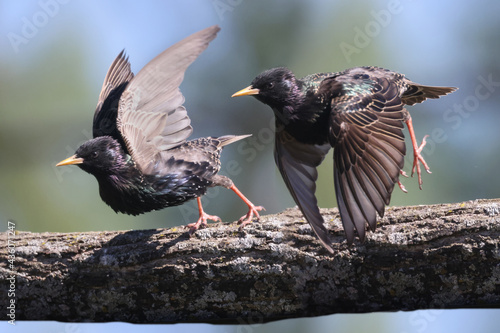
[(139, 154), (360, 113)]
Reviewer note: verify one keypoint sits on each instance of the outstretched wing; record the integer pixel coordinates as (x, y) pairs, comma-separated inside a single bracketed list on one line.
[(115, 82), (297, 163), (151, 117), (366, 131)]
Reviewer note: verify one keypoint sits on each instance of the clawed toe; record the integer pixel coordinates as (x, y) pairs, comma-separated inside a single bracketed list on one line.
[(248, 218), (202, 220), (402, 187), (417, 157)]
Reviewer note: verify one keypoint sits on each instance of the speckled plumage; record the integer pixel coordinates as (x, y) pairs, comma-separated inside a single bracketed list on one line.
[(360, 113), (139, 154)]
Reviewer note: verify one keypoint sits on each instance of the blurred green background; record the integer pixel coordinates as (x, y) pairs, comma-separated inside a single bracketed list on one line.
[(54, 55)]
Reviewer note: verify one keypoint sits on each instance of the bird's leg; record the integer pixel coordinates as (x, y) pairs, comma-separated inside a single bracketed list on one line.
[(417, 157), (401, 186), (202, 221), (252, 209)]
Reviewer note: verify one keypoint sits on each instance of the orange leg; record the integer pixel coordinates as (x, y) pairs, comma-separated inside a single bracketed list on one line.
[(202, 221), (417, 157), (252, 209)]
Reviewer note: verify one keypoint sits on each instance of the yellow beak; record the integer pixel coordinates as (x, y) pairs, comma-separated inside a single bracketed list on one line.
[(71, 160), (247, 91)]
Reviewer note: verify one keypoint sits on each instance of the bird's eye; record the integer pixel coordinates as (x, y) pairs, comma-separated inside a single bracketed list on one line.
[(94, 154), (270, 85)]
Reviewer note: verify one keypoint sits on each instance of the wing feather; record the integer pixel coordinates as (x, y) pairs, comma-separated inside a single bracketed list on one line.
[(297, 163), (151, 117), (367, 136), (117, 78)]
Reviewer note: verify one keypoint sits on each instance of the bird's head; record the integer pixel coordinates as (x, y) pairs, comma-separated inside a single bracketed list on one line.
[(100, 156), (276, 87)]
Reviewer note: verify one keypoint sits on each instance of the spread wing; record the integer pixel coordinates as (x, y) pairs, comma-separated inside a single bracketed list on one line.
[(297, 163), (366, 131), (115, 82), (151, 118)]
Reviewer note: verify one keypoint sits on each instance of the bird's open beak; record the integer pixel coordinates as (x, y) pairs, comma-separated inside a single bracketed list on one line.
[(247, 91), (71, 160)]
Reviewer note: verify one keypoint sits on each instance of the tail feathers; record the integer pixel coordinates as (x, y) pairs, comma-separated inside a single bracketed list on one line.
[(228, 139), (417, 93)]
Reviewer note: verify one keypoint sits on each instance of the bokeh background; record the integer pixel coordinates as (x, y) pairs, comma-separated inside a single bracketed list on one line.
[(54, 55)]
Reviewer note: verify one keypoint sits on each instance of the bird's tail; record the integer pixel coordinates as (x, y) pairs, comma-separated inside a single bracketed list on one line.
[(228, 139), (417, 93)]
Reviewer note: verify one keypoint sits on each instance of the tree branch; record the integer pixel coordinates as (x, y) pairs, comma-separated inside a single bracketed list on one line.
[(439, 256)]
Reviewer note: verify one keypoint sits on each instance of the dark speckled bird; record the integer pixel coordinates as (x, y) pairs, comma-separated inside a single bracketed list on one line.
[(360, 113), (139, 154)]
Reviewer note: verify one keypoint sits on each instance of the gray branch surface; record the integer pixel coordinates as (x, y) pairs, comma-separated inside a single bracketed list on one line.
[(422, 257)]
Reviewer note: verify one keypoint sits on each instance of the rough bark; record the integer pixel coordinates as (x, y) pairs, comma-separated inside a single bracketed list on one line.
[(439, 256)]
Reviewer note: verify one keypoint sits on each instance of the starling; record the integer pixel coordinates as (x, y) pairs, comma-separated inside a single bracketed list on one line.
[(360, 113), (139, 154)]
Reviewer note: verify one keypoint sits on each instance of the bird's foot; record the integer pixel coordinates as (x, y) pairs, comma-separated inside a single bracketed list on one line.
[(248, 218), (417, 157), (401, 186), (202, 222), (252, 209)]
